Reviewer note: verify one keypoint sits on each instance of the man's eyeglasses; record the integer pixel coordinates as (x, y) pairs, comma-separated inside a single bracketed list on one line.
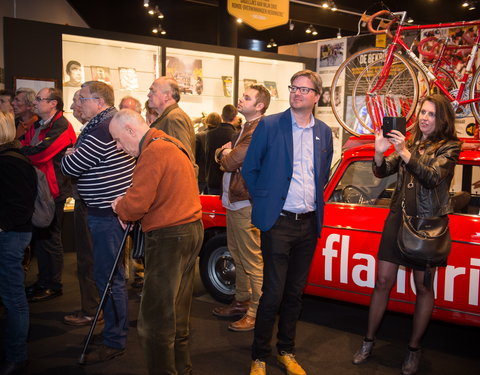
[(39, 99), (82, 98), (303, 90)]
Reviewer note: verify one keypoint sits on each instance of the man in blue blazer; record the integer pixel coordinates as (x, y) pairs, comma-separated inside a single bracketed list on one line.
[(285, 169)]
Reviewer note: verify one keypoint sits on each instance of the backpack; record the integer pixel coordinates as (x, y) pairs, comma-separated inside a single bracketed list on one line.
[(44, 207)]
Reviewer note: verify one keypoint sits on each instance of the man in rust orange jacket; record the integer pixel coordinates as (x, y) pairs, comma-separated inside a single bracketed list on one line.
[(164, 197)]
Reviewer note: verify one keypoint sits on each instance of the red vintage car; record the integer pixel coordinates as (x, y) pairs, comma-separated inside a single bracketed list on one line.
[(344, 263)]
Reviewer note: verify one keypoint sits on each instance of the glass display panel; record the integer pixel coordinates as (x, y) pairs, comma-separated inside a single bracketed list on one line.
[(129, 67), (273, 74), (205, 79)]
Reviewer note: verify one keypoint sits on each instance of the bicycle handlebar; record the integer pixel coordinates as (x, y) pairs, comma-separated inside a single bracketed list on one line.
[(386, 30)]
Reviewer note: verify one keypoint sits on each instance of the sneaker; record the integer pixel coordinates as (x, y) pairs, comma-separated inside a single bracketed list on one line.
[(247, 323), (258, 368), (79, 318), (102, 354), (288, 361)]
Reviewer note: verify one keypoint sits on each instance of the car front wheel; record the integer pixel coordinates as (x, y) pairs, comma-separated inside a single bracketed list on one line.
[(217, 269)]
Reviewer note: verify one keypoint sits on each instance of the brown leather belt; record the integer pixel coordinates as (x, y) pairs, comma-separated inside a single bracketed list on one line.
[(294, 216)]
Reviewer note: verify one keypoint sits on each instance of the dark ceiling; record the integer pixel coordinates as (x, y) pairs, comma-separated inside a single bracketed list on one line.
[(207, 21)]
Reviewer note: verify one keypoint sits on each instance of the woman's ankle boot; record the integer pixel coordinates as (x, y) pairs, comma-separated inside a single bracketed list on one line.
[(411, 361), (362, 354)]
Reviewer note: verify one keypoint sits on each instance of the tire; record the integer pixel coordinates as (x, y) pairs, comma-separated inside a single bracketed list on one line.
[(475, 93), (342, 88), (397, 96), (217, 269)]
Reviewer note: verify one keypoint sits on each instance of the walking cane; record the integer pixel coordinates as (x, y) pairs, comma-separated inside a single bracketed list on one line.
[(107, 291)]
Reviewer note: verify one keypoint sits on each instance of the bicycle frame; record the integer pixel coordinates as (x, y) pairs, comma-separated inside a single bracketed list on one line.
[(398, 42)]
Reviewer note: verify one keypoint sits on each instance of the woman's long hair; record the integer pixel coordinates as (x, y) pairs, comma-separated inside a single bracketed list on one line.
[(444, 123)]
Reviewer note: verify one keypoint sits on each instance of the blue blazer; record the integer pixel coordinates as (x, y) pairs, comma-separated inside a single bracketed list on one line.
[(268, 167)]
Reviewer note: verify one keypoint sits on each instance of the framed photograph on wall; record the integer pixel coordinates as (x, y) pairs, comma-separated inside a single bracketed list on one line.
[(101, 73), (35, 84)]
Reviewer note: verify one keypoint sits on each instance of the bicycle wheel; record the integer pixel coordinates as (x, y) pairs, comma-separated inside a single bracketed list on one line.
[(397, 96), (342, 88), (475, 94)]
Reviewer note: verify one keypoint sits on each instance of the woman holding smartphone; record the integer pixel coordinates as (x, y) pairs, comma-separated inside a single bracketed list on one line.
[(425, 166)]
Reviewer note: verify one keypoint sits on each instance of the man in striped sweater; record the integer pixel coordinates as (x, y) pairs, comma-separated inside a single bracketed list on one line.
[(103, 173)]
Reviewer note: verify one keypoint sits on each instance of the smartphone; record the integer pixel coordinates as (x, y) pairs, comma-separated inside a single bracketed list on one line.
[(394, 123)]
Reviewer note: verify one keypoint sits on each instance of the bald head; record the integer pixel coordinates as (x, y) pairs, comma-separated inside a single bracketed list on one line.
[(129, 102), (163, 92), (127, 129)]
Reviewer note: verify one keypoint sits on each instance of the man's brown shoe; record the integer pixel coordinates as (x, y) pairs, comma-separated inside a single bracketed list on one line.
[(288, 361), (79, 318), (258, 368), (236, 308), (102, 354), (247, 323)]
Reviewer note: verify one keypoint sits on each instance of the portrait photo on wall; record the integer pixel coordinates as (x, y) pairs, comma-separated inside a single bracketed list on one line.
[(128, 78), (73, 74), (101, 73), (325, 98), (272, 88), (188, 73)]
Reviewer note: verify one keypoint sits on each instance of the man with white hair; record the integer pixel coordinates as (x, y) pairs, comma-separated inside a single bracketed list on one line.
[(163, 97), (173, 237)]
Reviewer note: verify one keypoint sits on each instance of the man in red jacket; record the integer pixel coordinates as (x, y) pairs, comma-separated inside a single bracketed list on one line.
[(45, 144)]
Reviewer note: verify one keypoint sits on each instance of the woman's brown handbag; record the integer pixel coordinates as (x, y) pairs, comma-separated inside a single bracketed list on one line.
[(424, 241)]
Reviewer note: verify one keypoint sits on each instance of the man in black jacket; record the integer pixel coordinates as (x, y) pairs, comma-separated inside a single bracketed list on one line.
[(214, 139)]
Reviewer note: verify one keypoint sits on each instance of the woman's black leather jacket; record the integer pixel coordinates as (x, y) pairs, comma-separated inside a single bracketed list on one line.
[(433, 170)]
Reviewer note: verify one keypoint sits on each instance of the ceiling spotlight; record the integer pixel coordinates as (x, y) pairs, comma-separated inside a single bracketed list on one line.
[(239, 20), (339, 34), (325, 4), (333, 7), (472, 7), (162, 31), (155, 30), (314, 31), (410, 20), (465, 4), (146, 3), (160, 15), (291, 25), (308, 30), (151, 11), (271, 44)]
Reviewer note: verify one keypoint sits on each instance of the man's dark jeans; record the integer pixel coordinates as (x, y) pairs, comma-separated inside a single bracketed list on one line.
[(287, 250)]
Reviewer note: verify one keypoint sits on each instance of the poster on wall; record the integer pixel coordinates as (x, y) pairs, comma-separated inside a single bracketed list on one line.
[(73, 74), (331, 54), (227, 85), (128, 78), (188, 72), (247, 82), (272, 88)]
